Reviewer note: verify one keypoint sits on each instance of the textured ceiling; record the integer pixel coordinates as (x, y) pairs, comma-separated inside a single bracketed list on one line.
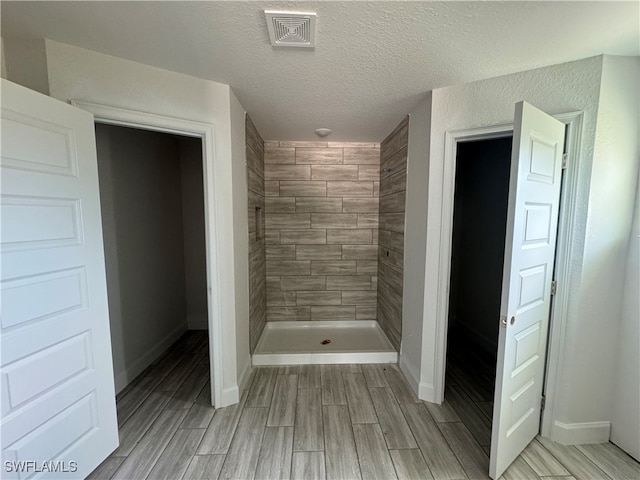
[(372, 63)]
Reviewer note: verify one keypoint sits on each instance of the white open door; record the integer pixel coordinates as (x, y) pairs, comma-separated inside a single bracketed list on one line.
[(532, 221), (58, 401)]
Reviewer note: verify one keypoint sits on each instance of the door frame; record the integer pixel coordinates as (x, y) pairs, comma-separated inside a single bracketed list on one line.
[(564, 252), (205, 132)]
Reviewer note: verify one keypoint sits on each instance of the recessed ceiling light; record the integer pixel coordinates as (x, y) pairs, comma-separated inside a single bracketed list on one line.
[(323, 132)]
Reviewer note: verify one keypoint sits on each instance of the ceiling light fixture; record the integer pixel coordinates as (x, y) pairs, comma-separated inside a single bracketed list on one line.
[(322, 132)]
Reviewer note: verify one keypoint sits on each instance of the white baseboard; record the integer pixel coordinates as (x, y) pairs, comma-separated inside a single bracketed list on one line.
[(197, 321), (122, 379), (230, 396), (243, 381), (427, 392), (580, 433)]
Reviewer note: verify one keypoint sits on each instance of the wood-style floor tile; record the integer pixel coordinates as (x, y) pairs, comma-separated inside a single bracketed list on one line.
[(520, 470), (470, 414), (542, 462), (375, 461), (201, 412), (374, 374), (394, 426), (443, 412), (574, 461), (400, 386), (204, 467), (310, 377), (177, 456), (135, 396), (410, 464), (242, 458), (261, 390), (283, 405), (340, 450), (308, 432), (274, 462), (186, 395), (220, 432), (332, 385), (106, 469), (612, 461), (469, 453), (439, 457), (358, 399), (308, 466)]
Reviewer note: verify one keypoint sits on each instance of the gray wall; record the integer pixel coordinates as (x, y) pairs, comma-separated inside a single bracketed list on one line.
[(257, 255), (142, 216), (479, 228), (321, 237), (393, 186)]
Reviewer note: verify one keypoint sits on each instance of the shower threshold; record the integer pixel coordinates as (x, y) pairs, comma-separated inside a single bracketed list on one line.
[(300, 343)]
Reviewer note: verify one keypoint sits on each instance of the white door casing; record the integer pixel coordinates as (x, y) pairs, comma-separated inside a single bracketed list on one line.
[(532, 221), (58, 399)]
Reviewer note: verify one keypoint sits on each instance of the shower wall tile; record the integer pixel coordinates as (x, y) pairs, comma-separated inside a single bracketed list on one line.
[(321, 217), (393, 178), (257, 250)]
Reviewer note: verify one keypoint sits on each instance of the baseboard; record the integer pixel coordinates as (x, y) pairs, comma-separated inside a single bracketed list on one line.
[(230, 396), (245, 376), (198, 321), (123, 379), (427, 392), (580, 433), (410, 372)]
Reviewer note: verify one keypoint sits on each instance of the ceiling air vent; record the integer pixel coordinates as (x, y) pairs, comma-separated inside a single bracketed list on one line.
[(291, 29)]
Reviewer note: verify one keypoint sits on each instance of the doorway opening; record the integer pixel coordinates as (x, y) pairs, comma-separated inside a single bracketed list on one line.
[(477, 255), (153, 216)]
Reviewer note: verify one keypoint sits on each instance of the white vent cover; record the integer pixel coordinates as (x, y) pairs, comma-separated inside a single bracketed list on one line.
[(291, 29)]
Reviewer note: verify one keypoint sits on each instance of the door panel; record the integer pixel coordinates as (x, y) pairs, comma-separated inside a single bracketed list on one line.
[(532, 220), (58, 399)]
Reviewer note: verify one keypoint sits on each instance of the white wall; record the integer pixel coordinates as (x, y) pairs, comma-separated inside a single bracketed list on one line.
[(76, 73), (617, 152), (561, 88), (414, 241), (241, 230), (195, 267), (140, 196), (3, 62)]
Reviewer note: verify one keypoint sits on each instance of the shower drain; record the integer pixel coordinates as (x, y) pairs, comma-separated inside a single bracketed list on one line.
[(326, 341)]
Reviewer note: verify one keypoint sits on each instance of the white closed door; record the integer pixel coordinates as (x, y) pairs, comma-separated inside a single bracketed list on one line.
[(532, 221), (58, 400)]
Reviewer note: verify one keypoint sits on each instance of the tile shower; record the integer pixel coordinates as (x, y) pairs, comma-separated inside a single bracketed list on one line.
[(321, 233)]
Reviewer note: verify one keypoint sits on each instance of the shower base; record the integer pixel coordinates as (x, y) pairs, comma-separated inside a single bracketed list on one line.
[(300, 343)]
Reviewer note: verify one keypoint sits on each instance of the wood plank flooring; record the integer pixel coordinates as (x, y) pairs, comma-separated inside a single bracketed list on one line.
[(322, 422)]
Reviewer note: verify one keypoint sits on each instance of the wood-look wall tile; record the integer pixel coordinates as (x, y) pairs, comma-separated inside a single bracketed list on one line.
[(308, 466), (289, 267), (319, 298), (354, 144), (271, 188), (271, 143), (359, 252), (281, 299), (318, 252), (394, 202), (288, 220), (366, 312), (255, 182), (350, 236), (364, 267), (348, 282), (366, 297), (318, 205), (334, 220), (391, 240), (359, 156), (393, 222), (376, 189), (396, 161), (340, 450), (280, 252), (304, 283), (360, 205), (303, 189), (375, 461), (335, 172), (319, 156), (308, 434), (367, 220), (336, 267), (303, 237), (279, 205), (271, 236), (279, 155), (273, 283), (333, 313), (287, 172), (368, 173), (289, 314), (303, 144), (391, 259), (352, 189), (394, 182), (396, 140)]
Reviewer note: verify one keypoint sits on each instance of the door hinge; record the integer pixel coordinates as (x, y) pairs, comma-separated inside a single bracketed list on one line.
[(565, 157), (543, 402), (554, 285)]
